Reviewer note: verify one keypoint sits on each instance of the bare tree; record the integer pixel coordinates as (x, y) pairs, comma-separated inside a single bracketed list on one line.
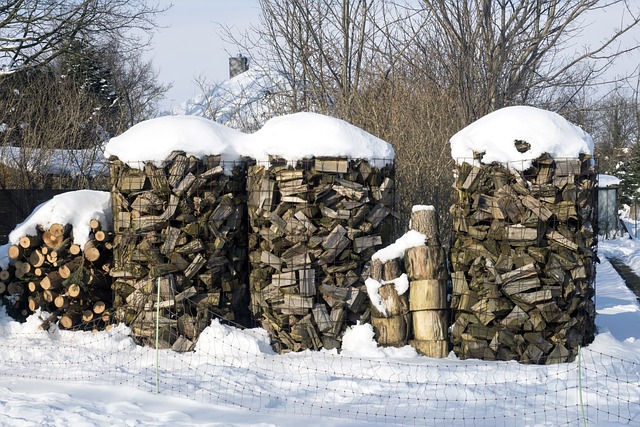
[(321, 45), (51, 133), (34, 32), (494, 53)]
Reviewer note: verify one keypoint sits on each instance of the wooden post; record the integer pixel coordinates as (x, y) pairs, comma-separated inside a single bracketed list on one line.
[(426, 268)]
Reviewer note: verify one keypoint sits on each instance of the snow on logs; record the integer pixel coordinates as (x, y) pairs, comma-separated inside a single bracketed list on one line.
[(524, 246), (320, 193), (178, 200), (416, 263), (320, 201), (57, 260)]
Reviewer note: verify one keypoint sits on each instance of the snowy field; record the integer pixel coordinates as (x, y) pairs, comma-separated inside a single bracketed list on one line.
[(62, 378)]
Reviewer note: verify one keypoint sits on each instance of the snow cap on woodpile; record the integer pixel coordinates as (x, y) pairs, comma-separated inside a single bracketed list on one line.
[(304, 135), (154, 140), (514, 136)]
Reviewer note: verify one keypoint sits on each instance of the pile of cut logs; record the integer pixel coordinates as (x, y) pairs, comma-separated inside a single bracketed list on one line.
[(420, 313), (53, 273), (313, 227), (179, 248), (523, 260), (428, 274)]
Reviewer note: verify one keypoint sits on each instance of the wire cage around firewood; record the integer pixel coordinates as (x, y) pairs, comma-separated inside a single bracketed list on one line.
[(523, 259), (180, 256), (314, 224)]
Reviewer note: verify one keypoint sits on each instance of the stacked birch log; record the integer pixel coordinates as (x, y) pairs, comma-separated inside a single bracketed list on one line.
[(179, 247), (52, 273), (428, 275), (314, 225), (523, 260)]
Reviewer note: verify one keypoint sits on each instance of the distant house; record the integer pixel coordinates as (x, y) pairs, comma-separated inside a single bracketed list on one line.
[(245, 101)]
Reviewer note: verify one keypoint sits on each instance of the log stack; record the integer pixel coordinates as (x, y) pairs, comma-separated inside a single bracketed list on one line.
[(428, 275), (52, 273), (13, 297), (179, 247), (391, 323), (523, 260), (314, 225)]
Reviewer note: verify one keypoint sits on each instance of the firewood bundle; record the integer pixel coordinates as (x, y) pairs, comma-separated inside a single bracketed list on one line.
[(523, 260), (181, 237), (313, 227), (53, 273)]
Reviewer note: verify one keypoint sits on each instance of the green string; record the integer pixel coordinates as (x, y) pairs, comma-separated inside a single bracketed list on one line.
[(584, 419), (158, 339)]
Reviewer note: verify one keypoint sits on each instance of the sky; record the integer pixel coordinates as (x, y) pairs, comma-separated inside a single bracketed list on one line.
[(189, 47)]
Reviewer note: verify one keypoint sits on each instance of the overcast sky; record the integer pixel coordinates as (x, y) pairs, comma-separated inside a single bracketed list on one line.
[(189, 48)]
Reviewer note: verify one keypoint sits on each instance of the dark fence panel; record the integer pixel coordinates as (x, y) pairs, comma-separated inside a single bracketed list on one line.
[(17, 205)]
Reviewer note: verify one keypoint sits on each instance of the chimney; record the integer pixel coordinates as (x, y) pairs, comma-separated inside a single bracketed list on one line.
[(238, 65)]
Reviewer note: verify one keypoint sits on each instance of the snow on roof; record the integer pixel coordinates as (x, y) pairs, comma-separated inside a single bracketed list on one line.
[(302, 135), (605, 181), (292, 137), (245, 101), (77, 208), (496, 133), (154, 139)]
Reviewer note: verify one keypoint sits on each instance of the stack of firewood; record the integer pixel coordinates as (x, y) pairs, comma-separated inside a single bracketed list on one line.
[(313, 227), (523, 260), (180, 247), (54, 274)]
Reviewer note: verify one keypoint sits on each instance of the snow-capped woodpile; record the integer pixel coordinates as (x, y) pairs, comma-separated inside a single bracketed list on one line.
[(69, 283), (179, 225), (523, 255), (314, 224)]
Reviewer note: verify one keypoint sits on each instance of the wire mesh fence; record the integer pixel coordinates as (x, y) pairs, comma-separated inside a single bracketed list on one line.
[(238, 368)]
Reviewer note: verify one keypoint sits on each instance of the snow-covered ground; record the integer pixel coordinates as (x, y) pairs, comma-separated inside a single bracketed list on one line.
[(61, 378)]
